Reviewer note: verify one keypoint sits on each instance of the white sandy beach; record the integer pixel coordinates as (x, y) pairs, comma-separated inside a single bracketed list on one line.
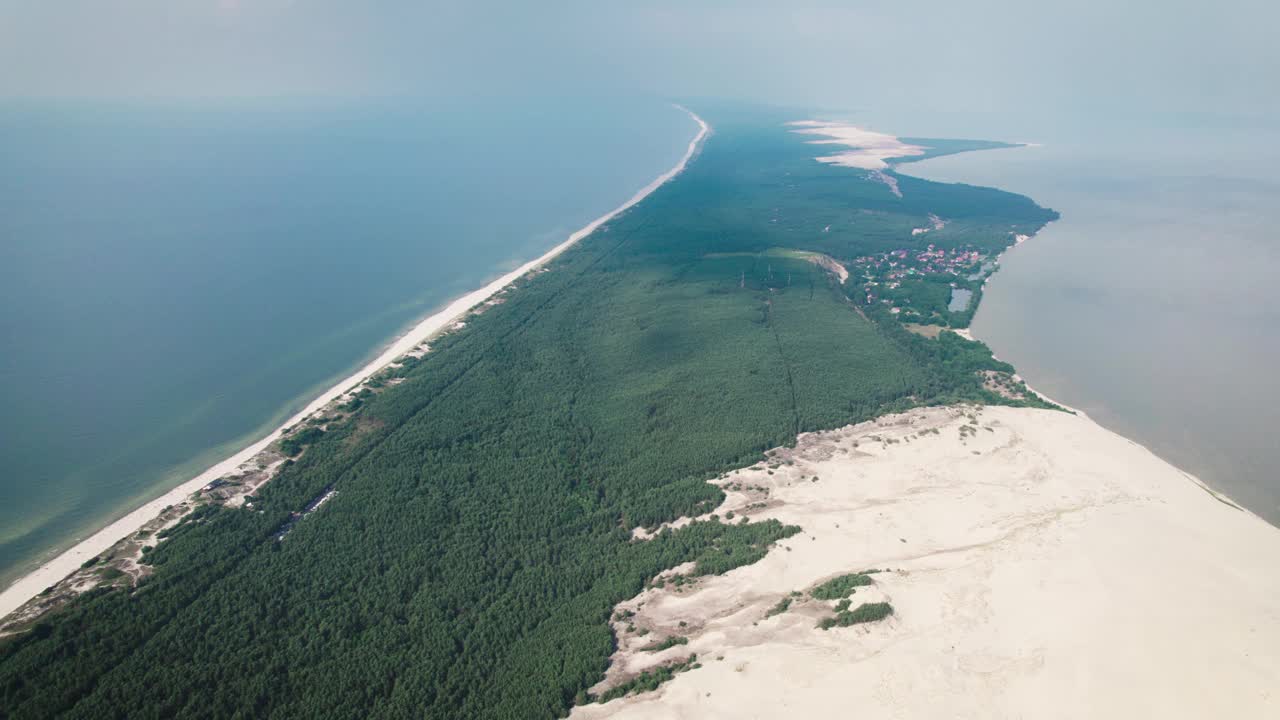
[(68, 562), (1039, 566)]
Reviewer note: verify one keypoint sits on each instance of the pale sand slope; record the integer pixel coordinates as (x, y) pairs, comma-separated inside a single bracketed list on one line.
[(870, 149), (68, 562), (1045, 568)]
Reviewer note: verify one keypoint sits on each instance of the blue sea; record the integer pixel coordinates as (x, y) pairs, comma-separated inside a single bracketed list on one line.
[(177, 280)]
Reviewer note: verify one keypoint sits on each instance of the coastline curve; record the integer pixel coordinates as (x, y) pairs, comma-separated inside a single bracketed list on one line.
[(67, 562)]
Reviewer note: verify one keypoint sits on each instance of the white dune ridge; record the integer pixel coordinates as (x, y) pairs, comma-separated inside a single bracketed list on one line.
[(1038, 566), (869, 149)]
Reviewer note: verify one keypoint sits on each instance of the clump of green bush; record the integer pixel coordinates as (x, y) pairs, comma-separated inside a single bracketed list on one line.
[(670, 642), (780, 608), (842, 586), (865, 613), (649, 680), (293, 444)]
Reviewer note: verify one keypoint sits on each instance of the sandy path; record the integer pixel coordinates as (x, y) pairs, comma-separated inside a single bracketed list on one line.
[(51, 572), (1041, 566)]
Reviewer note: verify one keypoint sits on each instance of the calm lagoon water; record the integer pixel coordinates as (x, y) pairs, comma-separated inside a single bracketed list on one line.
[(176, 280), (1154, 303)]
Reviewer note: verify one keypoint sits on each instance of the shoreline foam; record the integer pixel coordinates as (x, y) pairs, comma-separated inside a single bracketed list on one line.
[(55, 570)]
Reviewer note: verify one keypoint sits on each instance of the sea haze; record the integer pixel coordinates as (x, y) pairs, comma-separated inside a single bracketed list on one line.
[(1152, 304), (176, 280)]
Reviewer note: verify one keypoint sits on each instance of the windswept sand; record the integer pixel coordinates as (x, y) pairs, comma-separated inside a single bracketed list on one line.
[(826, 262), (1039, 565), (870, 149), (68, 562)]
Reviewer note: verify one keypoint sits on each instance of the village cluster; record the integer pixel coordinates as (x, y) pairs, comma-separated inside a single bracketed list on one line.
[(885, 274)]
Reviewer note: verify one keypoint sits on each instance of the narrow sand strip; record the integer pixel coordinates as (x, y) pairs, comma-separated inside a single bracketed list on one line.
[(68, 562)]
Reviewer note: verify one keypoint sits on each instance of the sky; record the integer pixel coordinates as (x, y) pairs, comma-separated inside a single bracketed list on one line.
[(1163, 56)]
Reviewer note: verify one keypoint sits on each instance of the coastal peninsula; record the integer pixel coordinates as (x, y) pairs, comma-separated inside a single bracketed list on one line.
[(730, 453)]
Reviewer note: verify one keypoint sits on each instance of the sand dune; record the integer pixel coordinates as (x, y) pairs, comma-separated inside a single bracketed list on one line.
[(870, 149), (1039, 565)]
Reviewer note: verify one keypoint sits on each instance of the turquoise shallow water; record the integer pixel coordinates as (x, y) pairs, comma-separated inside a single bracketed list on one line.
[(175, 280)]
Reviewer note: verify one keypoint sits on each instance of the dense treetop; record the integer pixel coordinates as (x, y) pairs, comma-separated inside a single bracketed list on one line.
[(481, 531)]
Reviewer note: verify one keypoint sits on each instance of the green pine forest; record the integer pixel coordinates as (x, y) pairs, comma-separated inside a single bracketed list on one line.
[(480, 535)]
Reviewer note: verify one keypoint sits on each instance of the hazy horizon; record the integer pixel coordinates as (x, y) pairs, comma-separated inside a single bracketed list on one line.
[(291, 243), (1090, 58)]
